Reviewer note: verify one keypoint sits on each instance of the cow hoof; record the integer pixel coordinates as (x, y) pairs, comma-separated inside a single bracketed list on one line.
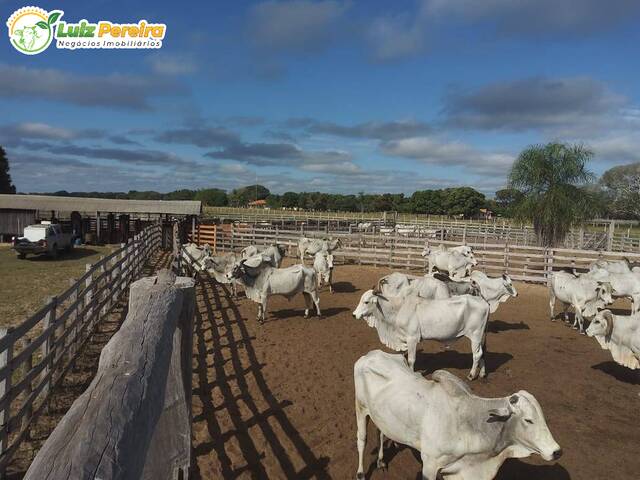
[(381, 464), (360, 476), (471, 378)]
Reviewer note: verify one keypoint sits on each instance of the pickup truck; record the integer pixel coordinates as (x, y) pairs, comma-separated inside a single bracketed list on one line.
[(42, 238)]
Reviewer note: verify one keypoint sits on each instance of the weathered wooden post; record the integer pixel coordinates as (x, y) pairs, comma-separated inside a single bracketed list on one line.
[(49, 324), (5, 386)]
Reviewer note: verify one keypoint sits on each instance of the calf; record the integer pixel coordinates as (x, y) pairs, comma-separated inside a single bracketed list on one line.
[(458, 434)]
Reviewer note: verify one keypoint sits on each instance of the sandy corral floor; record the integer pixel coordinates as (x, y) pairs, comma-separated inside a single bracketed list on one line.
[(277, 401)]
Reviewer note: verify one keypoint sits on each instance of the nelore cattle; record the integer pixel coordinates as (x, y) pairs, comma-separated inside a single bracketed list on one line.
[(402, 322), (312, 246), (323, 265), (261, 279), (457, 261), (458, 434), (620, 334), (401, 284), (274, 251)]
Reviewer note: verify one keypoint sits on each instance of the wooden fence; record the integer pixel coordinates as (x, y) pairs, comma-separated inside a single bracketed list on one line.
[(521, 262), (134, 420), (36, 354), (594, 235)]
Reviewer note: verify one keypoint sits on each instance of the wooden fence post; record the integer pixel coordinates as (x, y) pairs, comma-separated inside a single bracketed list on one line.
[(48, 346), (5, 386), (28, 365)]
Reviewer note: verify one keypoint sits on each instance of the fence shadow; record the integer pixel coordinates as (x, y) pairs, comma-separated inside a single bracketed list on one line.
[(235, 378)]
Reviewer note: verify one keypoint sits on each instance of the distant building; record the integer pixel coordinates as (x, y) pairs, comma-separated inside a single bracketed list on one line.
[(257, 204), (485, 214)]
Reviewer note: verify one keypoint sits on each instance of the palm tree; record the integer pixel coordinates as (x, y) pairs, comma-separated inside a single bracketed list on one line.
[(552, 178)]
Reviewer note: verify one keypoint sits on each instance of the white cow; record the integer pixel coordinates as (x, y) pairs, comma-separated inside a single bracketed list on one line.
[(494, 290), (401, 322), (455, 263), (626, 284), (315, 245), (620, 334), (612, 266), (465, 286), (401, 284), (582, 292), (364, 226), (195, 256), (275, 251), (261, 280), (218, 266), (459, 435), (323, 265)]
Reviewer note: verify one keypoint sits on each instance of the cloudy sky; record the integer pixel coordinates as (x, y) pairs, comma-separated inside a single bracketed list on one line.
[(335, 96)]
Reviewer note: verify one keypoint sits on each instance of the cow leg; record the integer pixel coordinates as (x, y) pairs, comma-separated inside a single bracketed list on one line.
[(307, 303), (579, 321), (412, 347), (381, 464), (429, 468), (552, 304), (476, 349), (263, 310), (635, 304), (361, 420), (316, 302)]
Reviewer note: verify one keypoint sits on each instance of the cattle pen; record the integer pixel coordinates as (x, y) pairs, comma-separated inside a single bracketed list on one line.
[(276, 400)]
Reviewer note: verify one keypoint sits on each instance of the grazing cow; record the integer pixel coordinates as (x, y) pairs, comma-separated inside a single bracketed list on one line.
[(401, 322), (261, 279), (219, 266), (323, 265), (275, 251), (494, 290), (399, 284), (625, 284), (620, 334), (315, 245), (466, 286), (458, 434), (585, 294), (195, 256), (453, 262)]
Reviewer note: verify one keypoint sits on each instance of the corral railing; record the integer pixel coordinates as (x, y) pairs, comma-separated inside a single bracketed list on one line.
[(593, 235), (525, 263), (36, 354)]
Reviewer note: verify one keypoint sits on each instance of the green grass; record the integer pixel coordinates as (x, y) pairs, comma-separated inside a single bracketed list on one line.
[(25, 284)]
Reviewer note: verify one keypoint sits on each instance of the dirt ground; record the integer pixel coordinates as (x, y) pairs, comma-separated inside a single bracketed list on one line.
[(276, 401)]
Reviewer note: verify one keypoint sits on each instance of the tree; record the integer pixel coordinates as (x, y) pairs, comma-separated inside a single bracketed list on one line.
[(462, 201), (6, 186), (621, 187), (240, 197), (212, 197), (290, 200), (552, 179), (506, 201)]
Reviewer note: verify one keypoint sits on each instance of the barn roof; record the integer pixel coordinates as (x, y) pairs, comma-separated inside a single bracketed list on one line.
[(70, 204)]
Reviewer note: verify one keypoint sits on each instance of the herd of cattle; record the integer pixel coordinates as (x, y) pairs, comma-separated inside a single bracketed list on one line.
[(458, 434)]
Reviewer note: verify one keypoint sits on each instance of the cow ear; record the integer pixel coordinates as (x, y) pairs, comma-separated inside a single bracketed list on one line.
[(499, 415), (504, 276)]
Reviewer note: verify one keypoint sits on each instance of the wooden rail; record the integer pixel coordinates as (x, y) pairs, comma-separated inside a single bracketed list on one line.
[(134, 420), (36, 354), (521, 262)]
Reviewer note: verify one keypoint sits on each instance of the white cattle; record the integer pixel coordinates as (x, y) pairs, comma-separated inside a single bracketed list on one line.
[(195, 256), (494, 290), (612, 266), (315, 245), (585, 294), (364, 226), (401, 284), (219, 266), (626, 284), (466, 286), (459, 435), (261, 280), (620, 334), (275, 251), (401, 322), (323, 265), (453, 262)]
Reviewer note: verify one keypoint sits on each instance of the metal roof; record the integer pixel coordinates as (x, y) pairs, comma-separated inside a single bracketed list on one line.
[(103, 205)]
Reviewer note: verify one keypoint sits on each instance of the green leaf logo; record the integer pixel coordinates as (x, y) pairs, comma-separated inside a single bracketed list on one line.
[(42, 24), (53, 18)]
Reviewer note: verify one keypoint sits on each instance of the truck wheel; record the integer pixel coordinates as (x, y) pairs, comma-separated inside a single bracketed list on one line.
[(54, 252), (22, 256)]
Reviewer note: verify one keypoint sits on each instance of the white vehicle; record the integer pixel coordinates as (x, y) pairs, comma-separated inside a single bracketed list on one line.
[(45, 237)]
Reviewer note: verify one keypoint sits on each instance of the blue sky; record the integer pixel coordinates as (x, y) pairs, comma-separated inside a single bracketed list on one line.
[(335, 96)]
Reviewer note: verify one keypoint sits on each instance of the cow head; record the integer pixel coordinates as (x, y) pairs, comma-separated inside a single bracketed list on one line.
[(604, 291), (527, 426), (466, 250), (368, 305), (601, 325), (508, 285)]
